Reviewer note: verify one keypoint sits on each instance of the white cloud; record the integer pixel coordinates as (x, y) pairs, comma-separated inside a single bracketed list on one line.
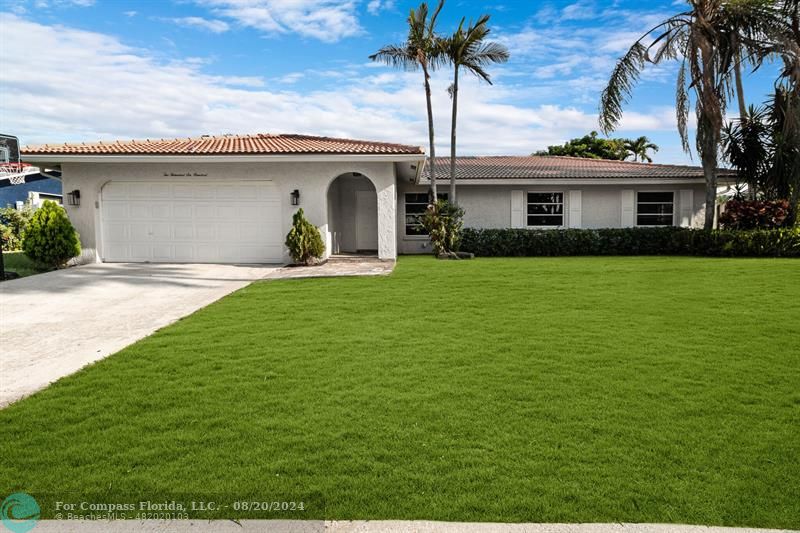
[(130, 13), (374, 7), (123, 92), (214, 26), (326, 20)]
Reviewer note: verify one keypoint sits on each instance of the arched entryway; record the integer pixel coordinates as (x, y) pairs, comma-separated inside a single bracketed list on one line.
[(353, 215)]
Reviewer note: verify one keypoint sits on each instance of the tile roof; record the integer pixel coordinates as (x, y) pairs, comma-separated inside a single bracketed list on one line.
[(556, 167), (257, 144)]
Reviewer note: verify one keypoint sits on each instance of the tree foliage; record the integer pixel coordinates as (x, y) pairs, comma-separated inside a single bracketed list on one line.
[(12, 226), (711, 39), (304, 240), (764, 147), (50, 239), (638, 148), (590, 146)]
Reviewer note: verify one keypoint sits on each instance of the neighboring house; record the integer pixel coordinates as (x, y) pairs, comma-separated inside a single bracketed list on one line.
[(35, 189), (230, 199)]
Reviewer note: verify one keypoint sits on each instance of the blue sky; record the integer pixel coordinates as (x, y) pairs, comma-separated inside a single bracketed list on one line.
[(91, 70)]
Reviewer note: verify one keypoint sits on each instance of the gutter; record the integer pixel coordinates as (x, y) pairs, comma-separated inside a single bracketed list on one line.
[(144, 158)]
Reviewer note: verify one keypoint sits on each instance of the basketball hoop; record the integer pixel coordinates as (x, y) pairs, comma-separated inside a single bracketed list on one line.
[(16, 172), (11, 168)]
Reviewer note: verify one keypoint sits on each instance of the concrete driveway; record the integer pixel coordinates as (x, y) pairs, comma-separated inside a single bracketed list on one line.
[(53, 324)]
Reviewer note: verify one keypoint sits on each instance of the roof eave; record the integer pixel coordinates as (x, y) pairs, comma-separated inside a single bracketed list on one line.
[(584, 181), (34, 158)]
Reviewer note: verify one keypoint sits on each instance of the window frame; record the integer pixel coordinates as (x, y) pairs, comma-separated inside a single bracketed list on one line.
[(563, 209), (422, 236), (636, 210)]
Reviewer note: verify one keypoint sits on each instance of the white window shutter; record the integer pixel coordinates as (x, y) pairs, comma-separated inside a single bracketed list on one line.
[(517, 203), (627, 208), (686, 205), (575, 206)]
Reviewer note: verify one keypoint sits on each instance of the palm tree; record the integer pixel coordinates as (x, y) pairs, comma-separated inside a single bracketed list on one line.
[(421, 50), (638, 148), (698, 38), (467, 49)]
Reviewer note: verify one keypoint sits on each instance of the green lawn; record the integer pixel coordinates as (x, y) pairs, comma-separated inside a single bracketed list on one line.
[(544, 390), (18, 262)]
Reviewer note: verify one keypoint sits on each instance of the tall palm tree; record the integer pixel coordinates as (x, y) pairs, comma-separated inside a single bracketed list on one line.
[(638, 148), (466, 49), (421, 50), (697, 38)]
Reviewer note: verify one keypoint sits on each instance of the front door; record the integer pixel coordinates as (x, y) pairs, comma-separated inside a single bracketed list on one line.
[(366, 220)]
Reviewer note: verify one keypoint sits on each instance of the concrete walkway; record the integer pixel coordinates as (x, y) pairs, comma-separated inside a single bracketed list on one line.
[(361, 526), (53, 324), (338, 266)]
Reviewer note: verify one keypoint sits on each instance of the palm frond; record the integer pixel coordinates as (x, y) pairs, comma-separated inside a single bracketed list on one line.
[(682, 107), (620, 84), (396, 56)]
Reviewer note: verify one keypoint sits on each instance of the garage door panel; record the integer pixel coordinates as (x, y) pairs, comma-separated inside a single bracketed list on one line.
[(238, 221), (161, 231), (162, 210)]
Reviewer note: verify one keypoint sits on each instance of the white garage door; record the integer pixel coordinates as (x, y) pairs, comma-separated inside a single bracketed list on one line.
[(191, 222)]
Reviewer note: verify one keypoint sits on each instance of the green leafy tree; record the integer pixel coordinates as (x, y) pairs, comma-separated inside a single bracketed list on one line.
[(639, 147), (420, 50), (304, 240), (589, 146), (701, 39), (467, 49), (50, 238), (12, 225)]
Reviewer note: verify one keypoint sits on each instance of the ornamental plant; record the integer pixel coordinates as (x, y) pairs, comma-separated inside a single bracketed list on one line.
[(304, 240), (754, 214), (444, 221), (50, 239)]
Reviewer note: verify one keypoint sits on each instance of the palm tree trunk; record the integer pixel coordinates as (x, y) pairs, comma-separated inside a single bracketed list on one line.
[(737, 74), (430, 130), (709, 158), (452, 197)]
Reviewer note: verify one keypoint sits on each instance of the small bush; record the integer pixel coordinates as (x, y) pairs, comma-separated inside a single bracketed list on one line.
[(754, 214), (50, 239), (444, 222), (631, 241), (12, 226), (304, 240)]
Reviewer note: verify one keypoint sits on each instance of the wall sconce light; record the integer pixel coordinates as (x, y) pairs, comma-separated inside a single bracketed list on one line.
[(74, 198), (295, 197)]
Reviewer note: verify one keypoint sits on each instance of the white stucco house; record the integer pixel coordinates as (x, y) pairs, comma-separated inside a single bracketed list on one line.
[(230, 199)]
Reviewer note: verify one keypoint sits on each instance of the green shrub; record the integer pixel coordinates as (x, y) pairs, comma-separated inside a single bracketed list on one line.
[(632, 241), (50, 239), (444, 222), (304, 240), (12, 226)]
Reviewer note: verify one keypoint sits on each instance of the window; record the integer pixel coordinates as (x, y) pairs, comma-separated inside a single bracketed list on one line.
[(655, 208), (546, 209), (416, 204)]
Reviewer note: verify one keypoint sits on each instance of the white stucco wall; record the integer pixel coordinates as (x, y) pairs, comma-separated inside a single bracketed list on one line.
[(311, 179), (489, 206)]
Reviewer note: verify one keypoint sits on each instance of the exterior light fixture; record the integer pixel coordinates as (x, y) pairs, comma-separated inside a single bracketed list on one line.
[(295, 197), (74, 198)]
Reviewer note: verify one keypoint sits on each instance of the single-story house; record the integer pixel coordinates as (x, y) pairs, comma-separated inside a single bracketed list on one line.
[(230, 198)]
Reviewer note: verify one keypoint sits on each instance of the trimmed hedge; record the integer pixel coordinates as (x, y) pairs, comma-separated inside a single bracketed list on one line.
[(631, 241)]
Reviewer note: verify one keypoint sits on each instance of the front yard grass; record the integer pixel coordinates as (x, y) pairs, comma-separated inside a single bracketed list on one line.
[(18, 262), (536, 390)]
